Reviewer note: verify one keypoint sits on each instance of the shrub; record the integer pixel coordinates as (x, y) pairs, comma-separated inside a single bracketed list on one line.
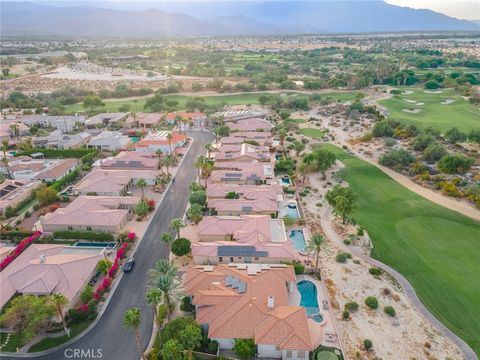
[(382, 129), (455, 164), (181, 247), (244, 348), (389, 310), (198, 197), (103, 266), (46, 195), (347, 242), (389, 142), (187, 305), (161, 313), (284, 165), (342, 257), (213, 346), (67, 179), (421, 142), (28, 214), (360, 232), (351, 306), (455, 136), (371, 302), (298, 267), (375, 271), (367, 344), (434, 152), (396, 158), (87, 294), (195, 213), (345, 315), (83, 235), (174, 327), (141, 209)]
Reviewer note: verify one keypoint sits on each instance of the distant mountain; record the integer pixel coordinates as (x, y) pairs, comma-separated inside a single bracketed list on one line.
[(184, 18)]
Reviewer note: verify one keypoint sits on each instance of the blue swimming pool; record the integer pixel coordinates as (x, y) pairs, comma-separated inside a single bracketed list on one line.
[(110, 245), (292, 213), (286, 181), (308, 292), (298, 239)]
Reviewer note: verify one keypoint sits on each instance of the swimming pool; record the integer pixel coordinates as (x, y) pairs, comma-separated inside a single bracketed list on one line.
[(292, 213), (285, 180), (308, 292), (298, 239)]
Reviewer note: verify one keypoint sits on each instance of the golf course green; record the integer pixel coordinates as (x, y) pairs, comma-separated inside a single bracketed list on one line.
[(311, 132), (236, 99), (454, 112), (436, 249)]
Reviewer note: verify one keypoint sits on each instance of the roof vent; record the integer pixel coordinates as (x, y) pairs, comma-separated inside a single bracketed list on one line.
[(43, 258), (270, 302)]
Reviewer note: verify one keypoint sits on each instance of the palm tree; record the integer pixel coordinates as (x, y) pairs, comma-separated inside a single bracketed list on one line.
[(59, 302), (171, 288), (205, 166), (167, 238), (15, 130), (153, 297), (281, 134), (168, 161), (177, 224), (314, 244), (133, 319), (179, 120), (169, 138), (172, 350), (159, 154), (141, 183), (4, 158), (190, 337), (162, 267), (208, 147)]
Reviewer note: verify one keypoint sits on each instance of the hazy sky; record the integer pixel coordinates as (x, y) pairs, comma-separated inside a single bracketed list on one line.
[(461, 9)]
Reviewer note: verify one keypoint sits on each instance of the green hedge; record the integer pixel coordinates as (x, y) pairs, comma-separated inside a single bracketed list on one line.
[(83, 235), (66, 180), (60, 153), (14, 234)]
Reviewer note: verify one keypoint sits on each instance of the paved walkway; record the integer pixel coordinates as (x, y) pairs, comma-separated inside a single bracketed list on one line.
[(326, 223)]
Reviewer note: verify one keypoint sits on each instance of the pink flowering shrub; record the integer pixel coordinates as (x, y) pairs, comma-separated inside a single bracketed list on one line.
[(151, 204), (22, 245)]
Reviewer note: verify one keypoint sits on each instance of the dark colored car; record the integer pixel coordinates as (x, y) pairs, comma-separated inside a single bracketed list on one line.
[(128, 266)]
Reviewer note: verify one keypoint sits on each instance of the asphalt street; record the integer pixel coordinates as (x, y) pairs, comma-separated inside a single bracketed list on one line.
[(108, 339)]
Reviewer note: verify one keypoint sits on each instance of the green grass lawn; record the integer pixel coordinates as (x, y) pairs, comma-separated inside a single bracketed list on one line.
[(237, 99), (48, 343), (436, 249), (15, 342), (460, 113), (310, 132)]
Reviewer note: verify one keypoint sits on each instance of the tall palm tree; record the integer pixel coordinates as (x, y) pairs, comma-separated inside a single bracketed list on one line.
[(59, 302), (190, 337), (167, 238), (171, 288), (209, 148), (159, 154), (168, 161), (281, 135), (177, 224), (315, 244), (132, 320), (169, 138), (4, 158), (205, 166), (141, 183), (162, 267), (153, 297)]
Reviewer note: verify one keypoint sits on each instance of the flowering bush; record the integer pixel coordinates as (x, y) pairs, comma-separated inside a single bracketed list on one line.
[(131, 236), (121, 251), (113, 269), (19, 249), (151, 204), (53, 207)]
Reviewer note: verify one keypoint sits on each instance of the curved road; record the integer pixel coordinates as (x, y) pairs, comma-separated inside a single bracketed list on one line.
[(108, 336)]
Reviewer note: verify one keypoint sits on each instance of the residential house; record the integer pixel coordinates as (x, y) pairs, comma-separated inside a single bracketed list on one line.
[(106, 119), (242, 173), (194, 119), (234, 115), (109, 141), (244, 153), (12, 129), (14, 192), (130, 160), (63, 123), (92, 213), (60, 169), (250, 125), (252, 301), (59, 140), (159, 141), (45, 269), (148, 120), (48, 170), (244, 238)]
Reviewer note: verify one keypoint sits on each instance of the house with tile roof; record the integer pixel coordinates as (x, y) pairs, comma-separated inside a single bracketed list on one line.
[(109, 141), (243, 238), (242, 173), (129, 160), (14, 192), (92, 213), (44, 269), (196, 119), (60, 169), (244, 153), (106, 119), (244, 301), (250, 125), (159, 141)]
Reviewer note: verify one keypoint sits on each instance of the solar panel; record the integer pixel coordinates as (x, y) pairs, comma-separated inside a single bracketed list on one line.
[(232, 250), (247, 208), (242, 287), (233, 175)]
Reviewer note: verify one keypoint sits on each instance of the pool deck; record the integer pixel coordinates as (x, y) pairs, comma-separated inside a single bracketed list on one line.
[(321, 332), (283, 208)]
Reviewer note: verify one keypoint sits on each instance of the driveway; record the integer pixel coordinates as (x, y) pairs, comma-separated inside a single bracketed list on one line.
[(108, 336)]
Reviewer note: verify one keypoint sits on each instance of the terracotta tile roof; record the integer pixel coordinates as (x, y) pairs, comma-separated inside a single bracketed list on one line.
[(58, 170), (250, 125), (244, 191), (186, 115), (232, 313)]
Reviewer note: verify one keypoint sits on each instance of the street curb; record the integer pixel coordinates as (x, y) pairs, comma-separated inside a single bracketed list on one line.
[(110, 295)]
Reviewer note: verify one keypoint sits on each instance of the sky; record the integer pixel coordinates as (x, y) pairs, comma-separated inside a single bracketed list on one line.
[(461, 9)]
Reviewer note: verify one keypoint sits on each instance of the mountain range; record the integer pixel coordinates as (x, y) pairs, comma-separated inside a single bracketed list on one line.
[(190, 18)]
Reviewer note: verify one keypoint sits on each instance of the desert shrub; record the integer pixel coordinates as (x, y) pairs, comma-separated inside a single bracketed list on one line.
[(351, 306), (455, 136), (421, 142), (371, 302), (396, 158), (367, 344), (347, 242), (455, 164), (389, 310), (375, 271), (198, 197), (434, 152), (382, 129), (345, 315), (187, 305), (342, 257)]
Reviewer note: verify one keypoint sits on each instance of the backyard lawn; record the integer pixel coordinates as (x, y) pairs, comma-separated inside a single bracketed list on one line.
[(15, 342), (237, 99), (436, 249), (431, 112), (310, 132)]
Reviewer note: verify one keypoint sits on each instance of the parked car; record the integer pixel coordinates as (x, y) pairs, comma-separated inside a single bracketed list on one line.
[(128, 266)]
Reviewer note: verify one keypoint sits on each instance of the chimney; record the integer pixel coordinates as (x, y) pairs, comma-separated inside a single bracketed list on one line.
[(270, 302), (43, 258)]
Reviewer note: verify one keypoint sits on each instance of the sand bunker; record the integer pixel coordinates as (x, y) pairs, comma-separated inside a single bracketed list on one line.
[(420, 103), (433, 91), (412, 111), (448, 101), (410, 101), (407, 92)]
